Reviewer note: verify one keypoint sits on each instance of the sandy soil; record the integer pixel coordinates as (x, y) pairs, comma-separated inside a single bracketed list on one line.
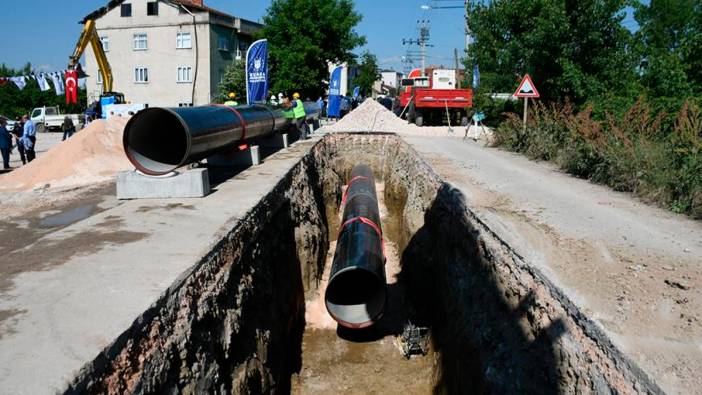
[(331, 364), (64, 170), (93, 155), (633, 268)]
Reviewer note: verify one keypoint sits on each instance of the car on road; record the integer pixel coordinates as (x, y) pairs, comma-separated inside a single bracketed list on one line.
[(10, 123)]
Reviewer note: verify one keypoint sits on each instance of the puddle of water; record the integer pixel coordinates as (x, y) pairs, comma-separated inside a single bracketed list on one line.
[(67, 217)]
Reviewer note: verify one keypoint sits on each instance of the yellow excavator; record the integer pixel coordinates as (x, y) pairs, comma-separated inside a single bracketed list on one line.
[(90, 35)]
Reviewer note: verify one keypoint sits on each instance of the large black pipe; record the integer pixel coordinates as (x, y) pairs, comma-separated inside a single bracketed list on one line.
[(159, 140), (356, 293)]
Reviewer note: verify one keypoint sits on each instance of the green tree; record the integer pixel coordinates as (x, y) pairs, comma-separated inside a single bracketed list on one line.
[(368, 73), (303, 37), (234, 80), (572, 49), (671, 40), (15, 102)]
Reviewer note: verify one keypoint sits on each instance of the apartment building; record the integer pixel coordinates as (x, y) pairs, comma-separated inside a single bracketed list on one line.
[(166, 52)]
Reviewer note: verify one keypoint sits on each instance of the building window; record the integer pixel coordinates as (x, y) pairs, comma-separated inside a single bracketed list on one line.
[(243, 45), (152, 8), (105, 41), (141, 75), (126, 10), (184, 74), (185, 104), (140, 43), (183, 40), (223, 43)]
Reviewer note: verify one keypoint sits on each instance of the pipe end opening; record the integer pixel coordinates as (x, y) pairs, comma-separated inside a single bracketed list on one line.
[(356, 298), (156, 141)]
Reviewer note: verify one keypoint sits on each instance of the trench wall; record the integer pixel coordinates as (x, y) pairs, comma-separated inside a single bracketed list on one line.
[(497, 323), (234, 322)]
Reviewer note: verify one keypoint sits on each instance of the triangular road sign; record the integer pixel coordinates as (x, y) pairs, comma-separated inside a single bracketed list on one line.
[(527, 88)]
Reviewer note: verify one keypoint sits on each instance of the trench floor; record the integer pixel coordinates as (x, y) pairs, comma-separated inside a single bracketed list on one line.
[(335, 362)]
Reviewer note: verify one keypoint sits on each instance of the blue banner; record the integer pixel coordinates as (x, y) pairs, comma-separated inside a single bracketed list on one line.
[(334, 107), (257, 72)]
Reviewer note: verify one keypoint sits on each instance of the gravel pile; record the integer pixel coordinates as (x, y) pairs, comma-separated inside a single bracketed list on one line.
[(371, 116)]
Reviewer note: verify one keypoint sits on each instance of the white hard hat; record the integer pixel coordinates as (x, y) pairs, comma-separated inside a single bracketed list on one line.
[(272, 97)]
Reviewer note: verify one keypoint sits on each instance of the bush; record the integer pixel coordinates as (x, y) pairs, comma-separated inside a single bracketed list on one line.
[(644, 150), (495, 110)]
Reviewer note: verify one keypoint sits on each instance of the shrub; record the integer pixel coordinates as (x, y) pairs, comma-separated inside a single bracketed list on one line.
[(643, 150)]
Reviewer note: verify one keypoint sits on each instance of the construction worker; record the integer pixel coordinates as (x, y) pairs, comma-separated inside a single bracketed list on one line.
[(299, 114), (232, 100)]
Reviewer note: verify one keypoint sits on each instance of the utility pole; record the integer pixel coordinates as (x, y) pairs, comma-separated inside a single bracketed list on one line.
[(469, 35), (468, 32), (466, 7), (422, 42)]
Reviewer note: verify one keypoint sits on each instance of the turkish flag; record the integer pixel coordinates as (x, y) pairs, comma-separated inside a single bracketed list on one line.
[(71, 86)]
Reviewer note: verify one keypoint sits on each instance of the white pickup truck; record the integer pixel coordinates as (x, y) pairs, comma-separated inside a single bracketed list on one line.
[(50, 119)]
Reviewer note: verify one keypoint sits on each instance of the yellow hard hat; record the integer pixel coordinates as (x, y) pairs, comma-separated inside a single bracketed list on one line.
[(296, 95), (232, 95)]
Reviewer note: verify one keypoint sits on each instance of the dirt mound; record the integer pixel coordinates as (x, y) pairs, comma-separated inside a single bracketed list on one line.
[(371, 116), (92, 155)]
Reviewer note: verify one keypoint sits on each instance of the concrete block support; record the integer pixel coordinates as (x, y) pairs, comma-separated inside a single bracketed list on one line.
[(248, 157), (192, 183), (255, 155)]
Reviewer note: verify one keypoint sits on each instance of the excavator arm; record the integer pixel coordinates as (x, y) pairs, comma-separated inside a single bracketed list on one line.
[(89, 35)]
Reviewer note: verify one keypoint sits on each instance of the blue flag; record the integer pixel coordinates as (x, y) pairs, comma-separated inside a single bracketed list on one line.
[(334, 107), (257, 72), (476, 76)]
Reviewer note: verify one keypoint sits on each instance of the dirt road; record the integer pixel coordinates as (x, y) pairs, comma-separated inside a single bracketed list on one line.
[(635, 269)]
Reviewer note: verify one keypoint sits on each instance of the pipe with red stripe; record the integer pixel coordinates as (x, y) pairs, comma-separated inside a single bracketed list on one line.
[(159, 140), (356, 294)]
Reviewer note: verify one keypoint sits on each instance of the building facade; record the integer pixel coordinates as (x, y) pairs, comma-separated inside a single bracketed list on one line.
[(166, 53), (391, 78)]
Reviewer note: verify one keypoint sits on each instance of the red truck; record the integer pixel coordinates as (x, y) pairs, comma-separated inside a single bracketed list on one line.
[(435, 98)]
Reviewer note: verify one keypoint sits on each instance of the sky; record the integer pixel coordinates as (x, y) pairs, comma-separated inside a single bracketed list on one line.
[(385, 23)]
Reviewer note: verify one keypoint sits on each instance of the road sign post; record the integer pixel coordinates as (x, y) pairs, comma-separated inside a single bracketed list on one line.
[(526, 111), (527, 90)]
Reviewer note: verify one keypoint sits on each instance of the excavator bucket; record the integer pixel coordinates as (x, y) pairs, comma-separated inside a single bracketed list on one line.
[(79, 71)]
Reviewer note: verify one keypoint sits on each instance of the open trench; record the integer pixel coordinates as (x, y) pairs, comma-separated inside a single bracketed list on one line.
[(249, 316)]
